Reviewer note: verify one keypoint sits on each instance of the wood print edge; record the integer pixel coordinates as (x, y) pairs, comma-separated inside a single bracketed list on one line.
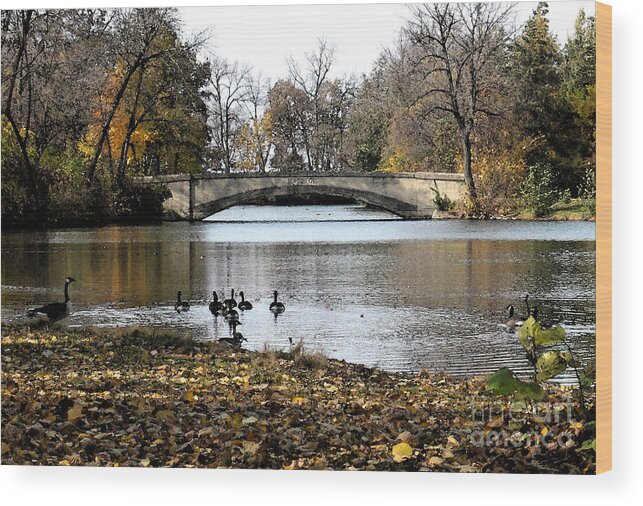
[(603, 237)]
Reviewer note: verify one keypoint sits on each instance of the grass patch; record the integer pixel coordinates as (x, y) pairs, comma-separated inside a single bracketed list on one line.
[(314, 360), (575, 209), (150, 338), (571, 210)]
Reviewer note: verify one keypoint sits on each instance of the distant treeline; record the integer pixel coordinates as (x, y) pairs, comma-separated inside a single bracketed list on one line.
[(93, 97)]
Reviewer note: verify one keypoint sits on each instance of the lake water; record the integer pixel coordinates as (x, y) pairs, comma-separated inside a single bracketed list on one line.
[(358, 284)]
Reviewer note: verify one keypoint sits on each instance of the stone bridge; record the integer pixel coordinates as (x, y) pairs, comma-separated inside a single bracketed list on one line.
[(407, 195)]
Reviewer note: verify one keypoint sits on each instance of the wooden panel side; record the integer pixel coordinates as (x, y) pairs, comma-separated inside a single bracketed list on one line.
[(603, 237)]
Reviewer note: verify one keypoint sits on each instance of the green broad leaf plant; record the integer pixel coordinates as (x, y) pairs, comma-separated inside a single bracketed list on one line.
[(504, 382), (547, 364)]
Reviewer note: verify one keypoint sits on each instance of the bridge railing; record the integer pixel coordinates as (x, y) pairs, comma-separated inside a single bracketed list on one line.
[(170, 178)]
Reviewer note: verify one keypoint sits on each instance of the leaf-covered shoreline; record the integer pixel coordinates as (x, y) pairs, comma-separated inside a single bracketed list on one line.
[(148, 398)]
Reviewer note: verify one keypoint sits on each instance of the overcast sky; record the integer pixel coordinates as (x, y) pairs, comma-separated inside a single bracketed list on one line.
[(264, 36)]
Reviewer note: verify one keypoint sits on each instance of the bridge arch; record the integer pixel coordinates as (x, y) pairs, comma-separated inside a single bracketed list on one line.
[(409, 195), (394, 206)]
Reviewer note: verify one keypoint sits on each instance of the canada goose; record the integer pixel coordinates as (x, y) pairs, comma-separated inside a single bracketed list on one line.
[(244, 305), (230, 303), (275, 306), (232, 315), (216, 306), (181, 305), (56, 310), (237, 335), (530, 312), (514, 320), (236, 339)]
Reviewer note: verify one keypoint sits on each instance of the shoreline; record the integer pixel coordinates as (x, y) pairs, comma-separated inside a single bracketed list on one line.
[(140, 397), (12, 227), (83, 224)]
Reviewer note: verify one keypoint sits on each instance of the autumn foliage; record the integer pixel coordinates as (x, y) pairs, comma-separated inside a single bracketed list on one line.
[(93, 98), (151, 398)]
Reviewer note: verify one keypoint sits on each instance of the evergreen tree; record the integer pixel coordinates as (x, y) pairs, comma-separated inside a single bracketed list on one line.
[(541, 106), (579, 86)]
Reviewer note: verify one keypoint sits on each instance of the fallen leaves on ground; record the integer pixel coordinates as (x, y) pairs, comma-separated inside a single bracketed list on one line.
[(140, 399)]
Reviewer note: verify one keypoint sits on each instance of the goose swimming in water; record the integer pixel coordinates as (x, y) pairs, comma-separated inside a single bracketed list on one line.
[(230, 303), (181, 305), (244, 305), (232, 315), (56, 310), (275, 306), (517, 320), (514, 320), (216, 306), (527, 305)]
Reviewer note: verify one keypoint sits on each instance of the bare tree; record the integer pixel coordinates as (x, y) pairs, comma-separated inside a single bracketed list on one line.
[(18, 24), (51, 60), (323, 118), (289, 112), (230, 92), (459, 50), (258, 127)]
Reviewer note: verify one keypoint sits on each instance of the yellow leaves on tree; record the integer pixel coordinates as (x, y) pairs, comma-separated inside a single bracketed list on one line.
[(254, 142), (117, 133), (395, 162)]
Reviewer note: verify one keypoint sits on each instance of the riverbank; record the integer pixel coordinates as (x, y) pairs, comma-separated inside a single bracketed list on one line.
[(574, 210), (75, 205), (151, 398), (571, 210)]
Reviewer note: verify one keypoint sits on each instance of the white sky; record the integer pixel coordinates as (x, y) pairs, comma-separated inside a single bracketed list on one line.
[(264, 36)]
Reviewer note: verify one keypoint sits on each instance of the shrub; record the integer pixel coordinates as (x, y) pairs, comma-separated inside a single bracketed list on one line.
[(566, 196), (498, 183), (141, 201), (538, 191), (71, 200), (587, 188), (442, 202)]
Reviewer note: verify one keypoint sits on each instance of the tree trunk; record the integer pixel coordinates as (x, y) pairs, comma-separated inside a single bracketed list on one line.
[(131, 127), (37, 189), (108, 122), (466, 163)]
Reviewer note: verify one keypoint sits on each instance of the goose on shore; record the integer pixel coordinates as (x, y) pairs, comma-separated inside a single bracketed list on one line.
[(180, 305), (276, 306), (56, 310), (237, 337), (230, 303), (216, 306), (244, 305)]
